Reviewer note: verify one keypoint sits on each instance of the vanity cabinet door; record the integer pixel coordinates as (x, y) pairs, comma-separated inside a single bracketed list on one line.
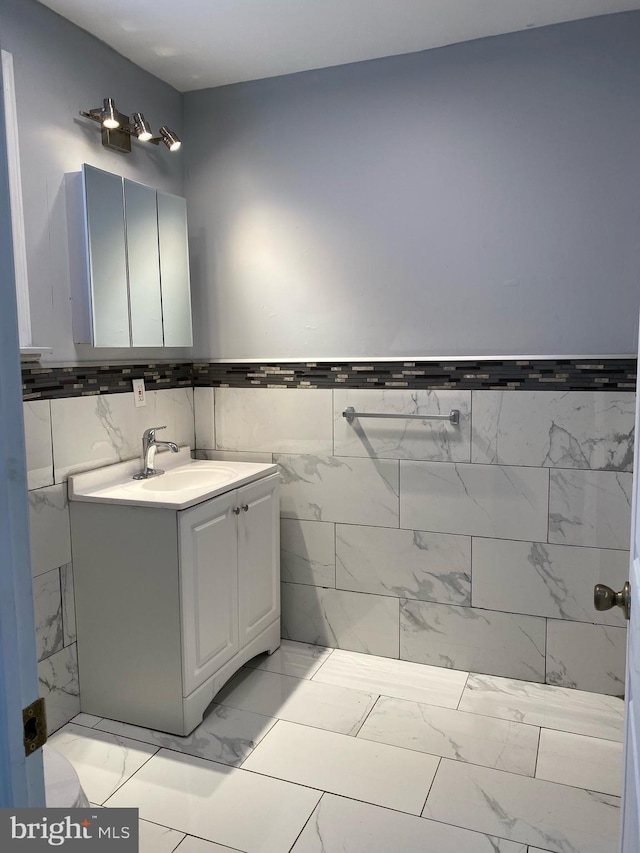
[(145, 302), (258, 556), (106, 247), (208, 588)]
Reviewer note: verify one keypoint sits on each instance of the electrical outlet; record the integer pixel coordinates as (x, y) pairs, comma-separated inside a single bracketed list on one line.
[(139, 396)]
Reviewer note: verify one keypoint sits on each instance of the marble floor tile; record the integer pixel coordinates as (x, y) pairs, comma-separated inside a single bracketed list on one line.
[(403, 439), (341, 619), (543, 705), (298, 659), (339, 825), (298, 700), (154, 838), (103, 761), (556, 817), (490, 742), (401, 679), (404, 563), (231, 807), (89, 720), (226, 734), (307, 552), (584, 762), (373, 772), (198, 845)]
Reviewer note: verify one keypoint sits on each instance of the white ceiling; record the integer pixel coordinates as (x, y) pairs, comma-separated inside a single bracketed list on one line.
[(196, 44)]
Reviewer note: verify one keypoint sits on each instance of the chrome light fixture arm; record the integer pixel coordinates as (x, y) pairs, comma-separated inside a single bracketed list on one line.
[(118, 128)]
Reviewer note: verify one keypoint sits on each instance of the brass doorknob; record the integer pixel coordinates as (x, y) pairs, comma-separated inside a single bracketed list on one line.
[(604, 598)]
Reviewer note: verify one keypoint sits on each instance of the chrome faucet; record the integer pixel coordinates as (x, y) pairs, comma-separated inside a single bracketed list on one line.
[(149, 447)]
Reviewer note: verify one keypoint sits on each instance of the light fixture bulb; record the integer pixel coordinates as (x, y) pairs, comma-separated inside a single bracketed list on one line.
[(141, 127), (109, 114), (170, 139)]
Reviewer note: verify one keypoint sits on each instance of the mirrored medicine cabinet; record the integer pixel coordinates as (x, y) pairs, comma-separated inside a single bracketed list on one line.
[(129, 263)]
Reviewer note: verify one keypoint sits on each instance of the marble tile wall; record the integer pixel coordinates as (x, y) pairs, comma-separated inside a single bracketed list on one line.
[(63, 436), (471, 547)]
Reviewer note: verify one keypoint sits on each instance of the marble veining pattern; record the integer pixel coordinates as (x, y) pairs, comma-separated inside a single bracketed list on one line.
[(576, 429), (297, 700), (153, 838), (245, 811), (396, 678), (373, 772), (556, 817), (58, 680), (383, 438), (404, 563), (204, 417), (68, 604), (592, 656), (478, 500), (309, 790), (339, 824), (226, 735), (48, 613), (50, 532), (453, 734), (344, 620), (112, 759), (591, 508), (583, 762), (470, 638), (281, 420), (298, 659), (307, 552), (546, 580), (559, 708), (330, 488)]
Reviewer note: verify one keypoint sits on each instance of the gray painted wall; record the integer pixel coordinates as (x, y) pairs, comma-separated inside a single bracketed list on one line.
[(60, 69), (482, 198)]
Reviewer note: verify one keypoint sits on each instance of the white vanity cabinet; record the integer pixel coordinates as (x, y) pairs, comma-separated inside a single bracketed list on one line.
[(170, 604), (229, 583)]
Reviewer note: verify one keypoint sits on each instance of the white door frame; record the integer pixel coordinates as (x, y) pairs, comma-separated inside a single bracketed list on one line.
[(21, 779)]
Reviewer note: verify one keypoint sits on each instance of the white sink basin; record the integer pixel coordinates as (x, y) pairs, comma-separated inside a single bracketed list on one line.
[(190, 477), (185, 482)]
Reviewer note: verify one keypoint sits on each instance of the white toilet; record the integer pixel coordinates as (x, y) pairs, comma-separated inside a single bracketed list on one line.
[(62, 787)]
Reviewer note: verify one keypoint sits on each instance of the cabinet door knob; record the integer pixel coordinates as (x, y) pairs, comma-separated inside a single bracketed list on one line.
[(236, 510), (245, 507)]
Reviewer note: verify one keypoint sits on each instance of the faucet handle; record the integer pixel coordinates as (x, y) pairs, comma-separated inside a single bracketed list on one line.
[(151, 432)]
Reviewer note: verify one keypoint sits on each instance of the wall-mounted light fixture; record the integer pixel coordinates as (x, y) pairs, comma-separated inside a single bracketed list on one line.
[(118, 128)]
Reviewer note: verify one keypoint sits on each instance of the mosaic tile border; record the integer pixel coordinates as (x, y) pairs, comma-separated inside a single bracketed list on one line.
[(539, 374), (46, 383)]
